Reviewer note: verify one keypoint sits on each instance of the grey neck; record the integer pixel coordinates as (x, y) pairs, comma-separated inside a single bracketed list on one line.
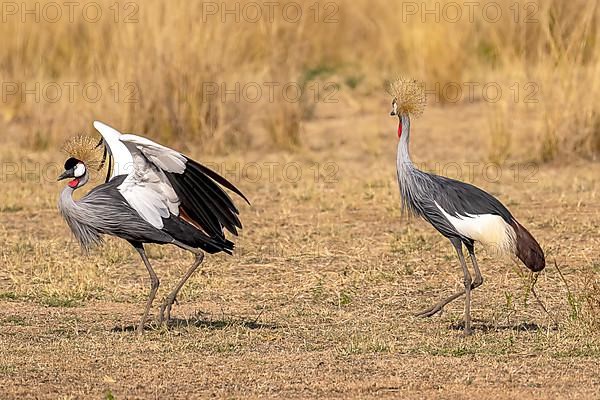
[(66, 201), (84, 179), (403, 162), (66, 196), (79, 219)]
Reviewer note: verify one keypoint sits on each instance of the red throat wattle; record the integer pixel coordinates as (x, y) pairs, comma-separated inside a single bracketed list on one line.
[(399, 129), (74, 183)]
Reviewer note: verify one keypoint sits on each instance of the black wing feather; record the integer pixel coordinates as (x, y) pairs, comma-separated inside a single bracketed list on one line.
[(216, 195), (186, 233), (460, 198), (217, 178), (221, 195), (220, 216), (200, 215), (205, 201)]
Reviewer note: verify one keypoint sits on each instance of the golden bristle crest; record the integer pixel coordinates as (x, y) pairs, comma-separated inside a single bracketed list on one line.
[(409, 94), (84, 148)]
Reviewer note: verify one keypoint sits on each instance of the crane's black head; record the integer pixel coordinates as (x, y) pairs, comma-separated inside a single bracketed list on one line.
[(76, 169)]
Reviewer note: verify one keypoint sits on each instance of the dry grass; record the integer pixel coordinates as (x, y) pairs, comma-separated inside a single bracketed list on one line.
[(168, 72), (318, 299)]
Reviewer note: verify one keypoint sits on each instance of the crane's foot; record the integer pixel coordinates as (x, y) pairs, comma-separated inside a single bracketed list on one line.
[(165, 313), (439, 306), (467, 330), (139, 330), (429, 312), (165, 310)]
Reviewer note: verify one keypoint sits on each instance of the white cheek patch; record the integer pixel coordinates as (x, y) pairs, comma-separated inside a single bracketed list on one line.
[(79, 170)]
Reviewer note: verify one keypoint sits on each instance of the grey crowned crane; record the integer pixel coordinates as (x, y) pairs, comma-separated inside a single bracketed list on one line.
[(461, 212), (152, 194)]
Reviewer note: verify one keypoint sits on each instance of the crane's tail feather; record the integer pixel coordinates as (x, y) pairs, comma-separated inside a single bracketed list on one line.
[(186, 232), (527, 249)]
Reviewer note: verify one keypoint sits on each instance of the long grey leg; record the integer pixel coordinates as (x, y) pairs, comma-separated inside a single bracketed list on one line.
[(437, 307), (428, 312), (478, 281), (468, 281), (154, 283), (165, 308)]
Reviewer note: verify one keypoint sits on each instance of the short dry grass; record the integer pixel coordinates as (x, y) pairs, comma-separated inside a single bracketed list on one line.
[(179, 71), (318, 299)]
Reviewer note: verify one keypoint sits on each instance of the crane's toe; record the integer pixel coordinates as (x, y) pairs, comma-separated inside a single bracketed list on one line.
[(165, 310), (429, 312)]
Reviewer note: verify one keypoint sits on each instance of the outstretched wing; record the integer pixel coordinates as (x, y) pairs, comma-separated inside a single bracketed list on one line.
[(122, 160), (147, 189), (164, 181)]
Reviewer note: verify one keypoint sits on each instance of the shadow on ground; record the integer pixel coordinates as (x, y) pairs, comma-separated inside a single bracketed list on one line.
[(199, 321), (486, 327)]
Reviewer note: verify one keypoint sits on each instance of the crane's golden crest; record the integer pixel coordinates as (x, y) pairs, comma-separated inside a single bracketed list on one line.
[(409, 95), (84, 148)]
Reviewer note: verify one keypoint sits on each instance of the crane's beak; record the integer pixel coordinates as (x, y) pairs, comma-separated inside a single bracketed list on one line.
[(393, 113), (70, 173)]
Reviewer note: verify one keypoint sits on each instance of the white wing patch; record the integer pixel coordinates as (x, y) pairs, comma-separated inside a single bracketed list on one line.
[(489, 229), (163, 157), (123, 162), (147, 189), (149, 192)]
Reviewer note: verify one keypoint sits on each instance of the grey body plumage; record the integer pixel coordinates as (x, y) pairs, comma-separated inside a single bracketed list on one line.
[(104, 211), (421, 191)]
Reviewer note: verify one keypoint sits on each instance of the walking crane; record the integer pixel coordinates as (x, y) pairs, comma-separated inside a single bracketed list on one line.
[(461, 212)]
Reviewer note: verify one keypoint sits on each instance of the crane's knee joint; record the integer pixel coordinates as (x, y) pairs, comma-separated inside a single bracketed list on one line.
[(154, 283), (468, 282)]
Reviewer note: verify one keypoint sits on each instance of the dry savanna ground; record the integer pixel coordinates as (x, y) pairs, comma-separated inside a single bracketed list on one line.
[(318, 300)]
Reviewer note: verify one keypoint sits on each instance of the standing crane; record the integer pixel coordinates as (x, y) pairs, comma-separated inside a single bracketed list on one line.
[(152, 194), (461, 212)]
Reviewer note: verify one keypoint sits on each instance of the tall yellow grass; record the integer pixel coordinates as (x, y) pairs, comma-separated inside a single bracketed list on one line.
[(158, 73)]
